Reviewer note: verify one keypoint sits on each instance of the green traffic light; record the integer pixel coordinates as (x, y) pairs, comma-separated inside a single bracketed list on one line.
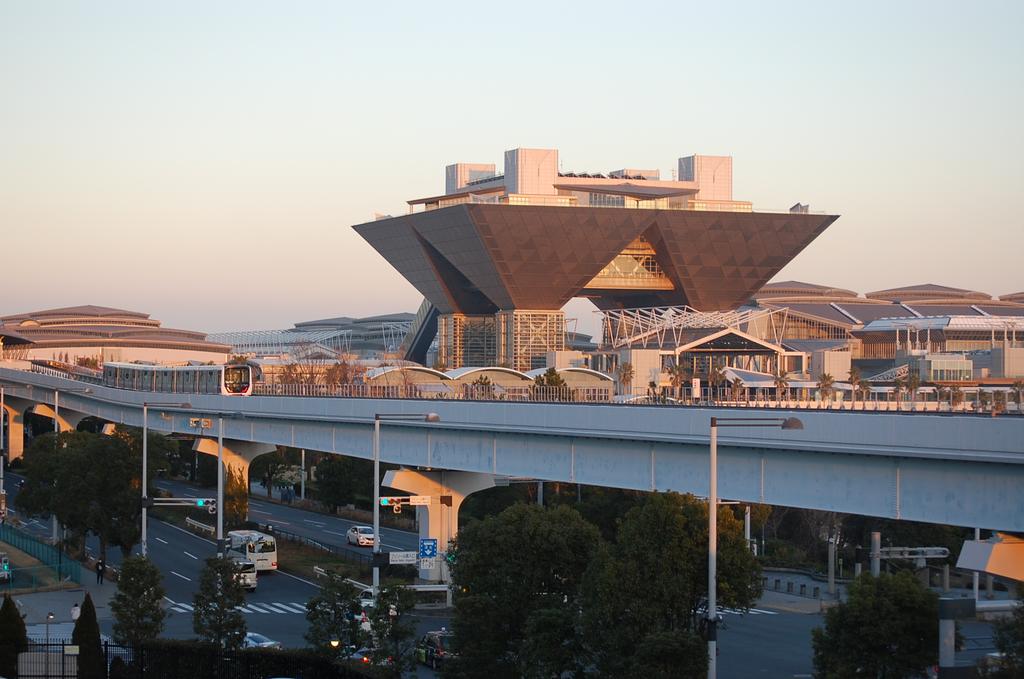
[(200, 503), (384, 501)]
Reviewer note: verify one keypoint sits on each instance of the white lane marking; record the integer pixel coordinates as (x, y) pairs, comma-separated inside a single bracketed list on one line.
[(315, 523), (295, 577), (187, 607), (191, 555), (392, 546), (334, 532), (181, 576), (290, 609), (161, 540), (283, 523), (257, 608), (259, 511), (188, 494), (170, 600), (278, 608), (182, 530), (244, 609), (761, 610)]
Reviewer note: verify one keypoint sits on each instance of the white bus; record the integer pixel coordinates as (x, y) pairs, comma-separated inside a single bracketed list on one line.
[(257, 547)]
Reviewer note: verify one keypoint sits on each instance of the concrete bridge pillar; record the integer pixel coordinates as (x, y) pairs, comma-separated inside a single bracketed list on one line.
[(437, 520), (14, 428), (238, 455), (67, 420)]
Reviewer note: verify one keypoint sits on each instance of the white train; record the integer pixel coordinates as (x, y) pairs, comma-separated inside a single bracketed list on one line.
[(229, 380)]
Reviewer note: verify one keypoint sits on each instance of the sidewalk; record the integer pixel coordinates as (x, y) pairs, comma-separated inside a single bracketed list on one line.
[(35, 605)]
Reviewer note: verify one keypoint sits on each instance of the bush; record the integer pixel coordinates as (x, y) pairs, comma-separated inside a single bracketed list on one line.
[(173, 659)]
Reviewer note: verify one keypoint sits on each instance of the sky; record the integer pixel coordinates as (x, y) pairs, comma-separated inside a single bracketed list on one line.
[(204, 162)]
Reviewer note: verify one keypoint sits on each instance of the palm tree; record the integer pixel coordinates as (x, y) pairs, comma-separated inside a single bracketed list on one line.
[(716, 377), (913, 384), (1018, 390), (781, 379), (899, 385), (626, 376), (737, 388), (956, 396), (679, 375), (854, 379), (825, 382)]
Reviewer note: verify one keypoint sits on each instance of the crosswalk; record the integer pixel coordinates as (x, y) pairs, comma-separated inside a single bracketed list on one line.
[(249, 608), (752, 611)]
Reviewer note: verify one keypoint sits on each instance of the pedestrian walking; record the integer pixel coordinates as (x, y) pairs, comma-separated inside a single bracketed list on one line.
[(100, 567)]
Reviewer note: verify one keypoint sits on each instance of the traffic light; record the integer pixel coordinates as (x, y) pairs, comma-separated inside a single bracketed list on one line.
[(6, 564)]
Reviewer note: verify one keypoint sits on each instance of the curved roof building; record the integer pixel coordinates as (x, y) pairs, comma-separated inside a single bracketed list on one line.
[(100, 334)]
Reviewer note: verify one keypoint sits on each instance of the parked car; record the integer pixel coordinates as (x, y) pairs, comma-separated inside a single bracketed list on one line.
[(360, 535), (256, 640), (434, 648)]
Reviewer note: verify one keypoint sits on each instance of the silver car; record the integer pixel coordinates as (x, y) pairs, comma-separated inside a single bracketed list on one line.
[(360, 535)]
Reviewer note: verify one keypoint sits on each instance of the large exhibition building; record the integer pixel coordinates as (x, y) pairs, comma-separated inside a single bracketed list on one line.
[(498, 254)]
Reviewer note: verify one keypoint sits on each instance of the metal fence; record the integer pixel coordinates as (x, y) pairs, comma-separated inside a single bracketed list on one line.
[(63, 567), (170, 659), (58, 659)]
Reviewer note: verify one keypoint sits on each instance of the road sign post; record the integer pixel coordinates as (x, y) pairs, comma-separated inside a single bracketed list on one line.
[(401, 558), (428, 548)]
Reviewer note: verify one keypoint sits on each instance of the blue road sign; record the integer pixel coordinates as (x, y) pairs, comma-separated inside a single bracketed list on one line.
[(428, 548)]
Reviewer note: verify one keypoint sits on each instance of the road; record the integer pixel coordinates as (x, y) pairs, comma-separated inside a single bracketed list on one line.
[(765, 642), (322, 527)]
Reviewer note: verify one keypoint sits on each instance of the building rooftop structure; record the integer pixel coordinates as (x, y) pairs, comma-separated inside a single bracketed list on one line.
[(98, 333), (927, 291), (499, 255)]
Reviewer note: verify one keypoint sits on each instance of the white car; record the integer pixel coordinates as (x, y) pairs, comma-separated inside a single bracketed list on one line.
[(360, 535), (255, 640)]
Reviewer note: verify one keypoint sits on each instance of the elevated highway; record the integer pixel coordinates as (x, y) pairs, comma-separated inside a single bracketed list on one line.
[(941, 468)]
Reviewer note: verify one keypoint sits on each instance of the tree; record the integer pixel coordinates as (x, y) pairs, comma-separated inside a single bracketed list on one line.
[(507, 569), (855, 379), (332, 616), (716, 377), (1018, 391), (482, 388), (736, 387), (550, 381), (13, 638), (268, 466), (138, 613), (90, 482), (625, 374), (679, 375), (781, 379), (394, 630), (341, 479), (86, 635), (215, 615), (825, 385), (654, 580), (913, 384), (236, 496), (886, 628), (1009, 638)]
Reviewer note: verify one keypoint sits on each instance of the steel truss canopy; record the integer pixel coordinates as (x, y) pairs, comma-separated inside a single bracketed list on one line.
[(481, 258)]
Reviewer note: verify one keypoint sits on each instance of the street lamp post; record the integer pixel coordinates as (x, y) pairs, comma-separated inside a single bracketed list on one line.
[(712, 612), (220, 486), (377, 418), (145, 465)]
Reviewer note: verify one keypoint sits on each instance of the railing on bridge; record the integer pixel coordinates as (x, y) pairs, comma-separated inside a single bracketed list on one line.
[(721, 397)]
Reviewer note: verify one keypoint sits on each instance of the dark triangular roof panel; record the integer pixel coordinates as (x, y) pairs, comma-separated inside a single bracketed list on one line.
[(476, 257)]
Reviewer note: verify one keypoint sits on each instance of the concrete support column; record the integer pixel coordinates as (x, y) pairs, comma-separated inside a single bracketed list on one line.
[(949, 611), (437, 520), (238, 455), (14, 432), (67, 420)]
